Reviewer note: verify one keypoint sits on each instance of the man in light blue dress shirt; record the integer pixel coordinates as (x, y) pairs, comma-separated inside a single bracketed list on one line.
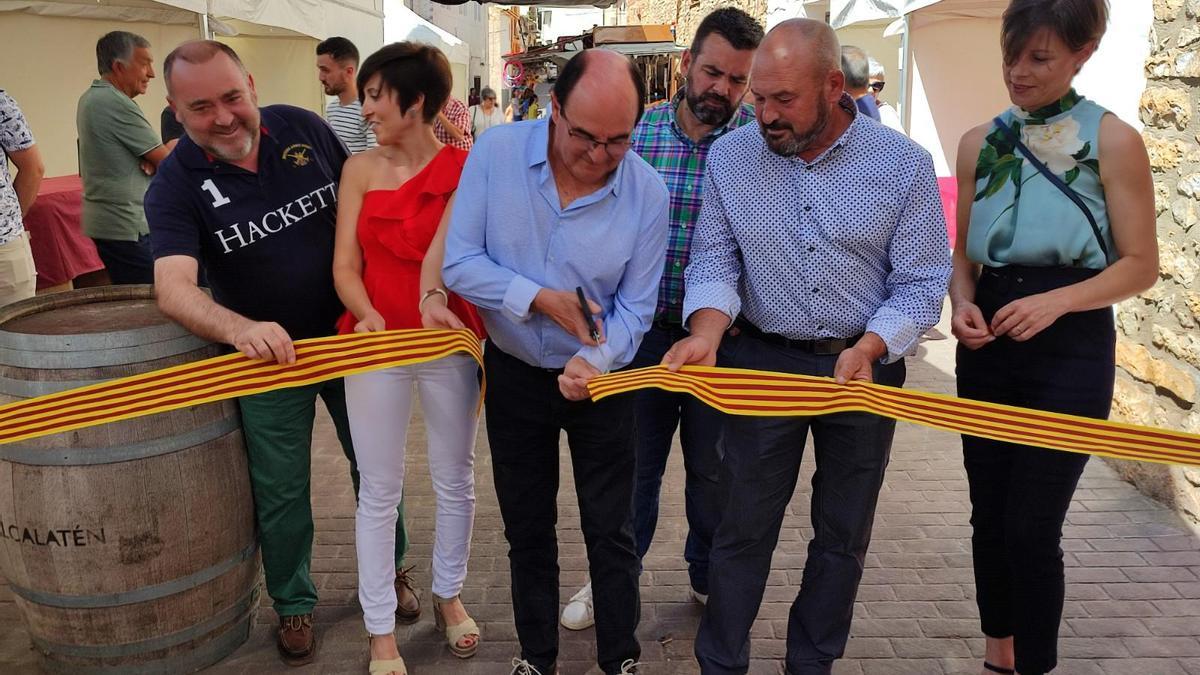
[(824, 232), (545, 207)]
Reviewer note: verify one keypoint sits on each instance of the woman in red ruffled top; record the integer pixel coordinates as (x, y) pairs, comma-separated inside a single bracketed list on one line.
[(392, 215)]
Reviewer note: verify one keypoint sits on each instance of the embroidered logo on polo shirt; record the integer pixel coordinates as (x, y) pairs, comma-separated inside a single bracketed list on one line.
[(298, 154)]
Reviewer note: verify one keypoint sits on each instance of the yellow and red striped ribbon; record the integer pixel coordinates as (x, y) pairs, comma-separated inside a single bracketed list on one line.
[(750, 392), (734, 391), (224, 377)]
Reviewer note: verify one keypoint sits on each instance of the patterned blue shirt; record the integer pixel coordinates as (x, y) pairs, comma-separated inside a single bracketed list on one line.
[(850, 242), (14, 137), (510, 237), (680, 160)]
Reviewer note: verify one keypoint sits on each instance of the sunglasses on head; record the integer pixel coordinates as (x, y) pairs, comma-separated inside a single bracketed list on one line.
[(877, 86)]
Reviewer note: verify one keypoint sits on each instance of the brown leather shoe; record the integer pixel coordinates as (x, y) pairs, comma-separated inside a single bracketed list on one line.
[(296, 640), (408, 605)]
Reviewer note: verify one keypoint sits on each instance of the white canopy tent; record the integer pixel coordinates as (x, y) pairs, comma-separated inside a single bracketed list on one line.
[(313, 18), (601, 4), (782, 10), (951, 63), (401, 23), (846, 12), (275, 38)]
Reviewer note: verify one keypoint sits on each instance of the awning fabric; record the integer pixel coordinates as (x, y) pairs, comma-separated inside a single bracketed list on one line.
[(643, 48), (601, 4), (401, 23), (226, 17), (845, 12), (173, 12)]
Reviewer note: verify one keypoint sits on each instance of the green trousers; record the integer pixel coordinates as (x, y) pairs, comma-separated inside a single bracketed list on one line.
[(278, 428)]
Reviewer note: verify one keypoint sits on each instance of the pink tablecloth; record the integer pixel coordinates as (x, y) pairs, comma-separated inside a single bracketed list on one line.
[(949, 189), (60, 250)]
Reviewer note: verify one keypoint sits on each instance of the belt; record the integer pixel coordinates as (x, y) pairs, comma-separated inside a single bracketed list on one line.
[(825, 346)]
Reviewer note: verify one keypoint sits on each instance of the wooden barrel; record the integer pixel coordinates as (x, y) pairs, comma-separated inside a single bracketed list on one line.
[(130, 547)]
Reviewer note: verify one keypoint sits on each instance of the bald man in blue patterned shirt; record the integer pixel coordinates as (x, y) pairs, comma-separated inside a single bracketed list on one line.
[(824, 231)]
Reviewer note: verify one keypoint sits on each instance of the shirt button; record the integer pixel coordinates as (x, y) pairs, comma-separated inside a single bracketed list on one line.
[(820, 327), (808, 208), (811, 249), (816, 290)]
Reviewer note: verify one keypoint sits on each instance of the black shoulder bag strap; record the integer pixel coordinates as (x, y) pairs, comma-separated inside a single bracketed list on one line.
[(1054, 180)]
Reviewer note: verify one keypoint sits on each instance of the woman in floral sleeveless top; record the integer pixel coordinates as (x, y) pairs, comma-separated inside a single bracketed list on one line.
[(1042, 254)]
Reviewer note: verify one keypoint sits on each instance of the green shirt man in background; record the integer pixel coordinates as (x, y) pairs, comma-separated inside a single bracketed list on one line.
[(118, 153)]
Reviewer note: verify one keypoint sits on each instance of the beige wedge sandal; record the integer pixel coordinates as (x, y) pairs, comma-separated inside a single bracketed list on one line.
[(384, 666), (387, 666), (456, 632)]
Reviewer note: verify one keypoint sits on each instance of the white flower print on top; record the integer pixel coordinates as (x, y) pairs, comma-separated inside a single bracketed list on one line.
[(1055, 143)]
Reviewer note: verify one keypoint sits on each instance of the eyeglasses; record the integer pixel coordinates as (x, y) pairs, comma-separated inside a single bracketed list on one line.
[(877, 86), (614, 148)]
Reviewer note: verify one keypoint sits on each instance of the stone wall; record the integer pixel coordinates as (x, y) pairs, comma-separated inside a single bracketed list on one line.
[(1158, 350), (686, 15)]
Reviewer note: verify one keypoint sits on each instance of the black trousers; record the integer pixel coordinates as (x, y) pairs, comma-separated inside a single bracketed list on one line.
[(658, 414), (127, 262), (762, 467), (525, 413), (1019, 493)]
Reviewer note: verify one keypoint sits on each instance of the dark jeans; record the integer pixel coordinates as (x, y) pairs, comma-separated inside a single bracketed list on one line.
[(657, 413), (762, 467), (525, 413), (127, 262), (1019, 493)]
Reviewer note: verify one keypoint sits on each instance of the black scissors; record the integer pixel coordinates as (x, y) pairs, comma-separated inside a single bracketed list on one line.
[(587, 315)]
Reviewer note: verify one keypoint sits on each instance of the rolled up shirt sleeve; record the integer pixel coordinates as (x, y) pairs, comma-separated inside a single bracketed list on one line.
[(919, 256), (636, 298), (712, 275)]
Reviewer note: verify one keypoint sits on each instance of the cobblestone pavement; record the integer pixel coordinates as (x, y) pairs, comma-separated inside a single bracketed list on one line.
[(1133, 599)]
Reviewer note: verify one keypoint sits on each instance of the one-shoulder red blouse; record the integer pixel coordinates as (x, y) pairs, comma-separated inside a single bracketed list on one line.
[(395, 228)]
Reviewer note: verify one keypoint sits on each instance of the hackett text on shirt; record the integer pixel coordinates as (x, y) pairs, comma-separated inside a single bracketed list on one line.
[(240, 235)]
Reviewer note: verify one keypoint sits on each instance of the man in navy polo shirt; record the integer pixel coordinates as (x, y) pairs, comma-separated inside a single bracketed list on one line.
[(251, 195)]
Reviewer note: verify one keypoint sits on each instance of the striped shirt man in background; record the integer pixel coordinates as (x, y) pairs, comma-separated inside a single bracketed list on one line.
[(337, 66)]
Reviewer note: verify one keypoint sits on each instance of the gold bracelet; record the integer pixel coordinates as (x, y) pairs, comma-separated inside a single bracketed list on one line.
[(431, 292)]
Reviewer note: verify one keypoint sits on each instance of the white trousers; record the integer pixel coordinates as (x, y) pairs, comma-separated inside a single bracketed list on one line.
[(379, 405)]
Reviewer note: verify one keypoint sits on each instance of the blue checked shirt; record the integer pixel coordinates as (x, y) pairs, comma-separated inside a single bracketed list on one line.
[(680, 161), (851, 242)]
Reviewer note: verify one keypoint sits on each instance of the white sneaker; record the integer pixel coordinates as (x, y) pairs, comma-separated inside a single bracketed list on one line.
[(523, 667), (577, 615), (699, 597)]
